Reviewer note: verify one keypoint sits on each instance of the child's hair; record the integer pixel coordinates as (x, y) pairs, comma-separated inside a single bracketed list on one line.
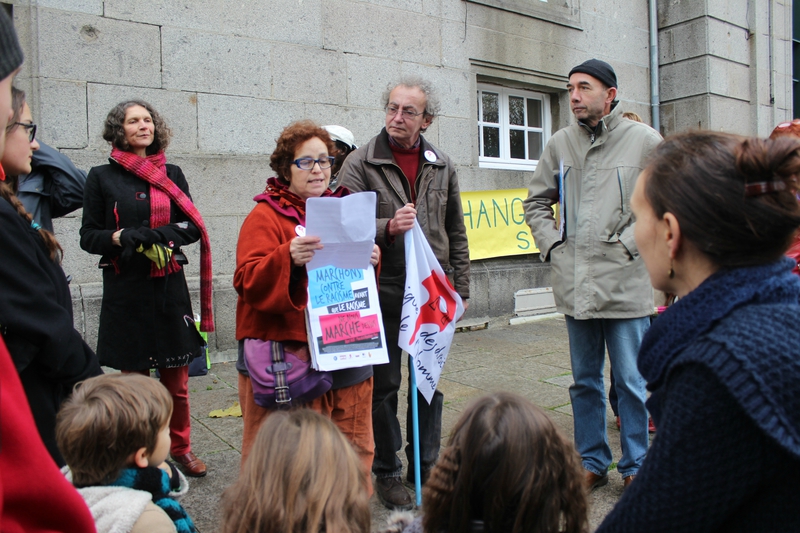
[(106, 420), (508, 466), (302, 476)]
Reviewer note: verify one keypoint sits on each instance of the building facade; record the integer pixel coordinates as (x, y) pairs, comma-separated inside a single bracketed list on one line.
[(229, 76)]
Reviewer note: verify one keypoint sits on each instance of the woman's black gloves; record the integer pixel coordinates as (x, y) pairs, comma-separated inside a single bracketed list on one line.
[(131, 239)]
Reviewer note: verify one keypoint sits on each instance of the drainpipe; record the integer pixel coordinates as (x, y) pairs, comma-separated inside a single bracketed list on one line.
[(654, 98)]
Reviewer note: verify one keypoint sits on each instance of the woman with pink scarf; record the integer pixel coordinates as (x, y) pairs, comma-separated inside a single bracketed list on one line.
[(137, 214)]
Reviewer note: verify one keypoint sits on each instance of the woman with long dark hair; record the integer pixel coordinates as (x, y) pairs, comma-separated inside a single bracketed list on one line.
[(137, 213), (714, 215)]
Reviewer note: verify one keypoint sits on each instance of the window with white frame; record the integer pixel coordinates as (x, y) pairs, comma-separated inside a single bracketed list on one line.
[(513, 127)]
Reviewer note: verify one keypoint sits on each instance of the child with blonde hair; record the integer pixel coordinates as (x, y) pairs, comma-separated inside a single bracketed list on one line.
[(302, 476), (114, 435)]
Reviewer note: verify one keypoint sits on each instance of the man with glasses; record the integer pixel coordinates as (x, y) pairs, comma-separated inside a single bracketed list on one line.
[(413, 180)]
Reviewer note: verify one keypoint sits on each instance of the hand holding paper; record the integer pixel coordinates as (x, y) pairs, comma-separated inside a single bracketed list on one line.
[(302, 249), (376, 255)]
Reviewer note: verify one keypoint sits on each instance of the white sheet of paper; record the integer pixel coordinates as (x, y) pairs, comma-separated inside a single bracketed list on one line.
[(346, 227)]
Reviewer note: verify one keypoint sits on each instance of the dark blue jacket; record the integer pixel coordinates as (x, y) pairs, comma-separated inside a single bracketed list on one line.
[(723, 366)]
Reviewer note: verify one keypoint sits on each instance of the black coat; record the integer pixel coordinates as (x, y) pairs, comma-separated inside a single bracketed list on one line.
[(145, 322), (36, 324)]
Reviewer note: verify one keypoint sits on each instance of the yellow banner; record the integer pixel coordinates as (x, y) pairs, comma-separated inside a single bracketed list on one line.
[(495, 223)]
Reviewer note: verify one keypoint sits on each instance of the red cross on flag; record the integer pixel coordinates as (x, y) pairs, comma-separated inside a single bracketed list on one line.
[(431, 308)]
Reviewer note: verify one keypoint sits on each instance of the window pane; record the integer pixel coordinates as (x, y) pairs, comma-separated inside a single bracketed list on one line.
[(534, 145), (491, 142), (490, 113), (516, 111), (516, 139), (534, 113)]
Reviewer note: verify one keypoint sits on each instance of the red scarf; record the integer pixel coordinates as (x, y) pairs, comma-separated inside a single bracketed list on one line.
[(284, 201), (153, 170)]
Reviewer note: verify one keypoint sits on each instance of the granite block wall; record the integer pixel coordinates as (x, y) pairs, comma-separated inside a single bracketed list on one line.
[(229, 78)]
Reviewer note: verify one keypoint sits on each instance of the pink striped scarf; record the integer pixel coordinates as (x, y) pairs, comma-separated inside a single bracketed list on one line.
[(153, 170)]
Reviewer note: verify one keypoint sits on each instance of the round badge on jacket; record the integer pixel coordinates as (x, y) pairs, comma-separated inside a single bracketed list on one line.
[(430, 156), (300, 230)]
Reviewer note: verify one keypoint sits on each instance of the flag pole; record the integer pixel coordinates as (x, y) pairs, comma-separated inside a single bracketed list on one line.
[(415, 428)]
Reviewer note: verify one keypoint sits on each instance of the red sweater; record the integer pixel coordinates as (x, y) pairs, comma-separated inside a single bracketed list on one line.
[(34, 495), (272, 292), (408, 161)]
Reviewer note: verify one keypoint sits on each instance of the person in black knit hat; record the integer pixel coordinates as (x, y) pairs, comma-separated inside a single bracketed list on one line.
[(29, 480), (599, 281), (10, 62)]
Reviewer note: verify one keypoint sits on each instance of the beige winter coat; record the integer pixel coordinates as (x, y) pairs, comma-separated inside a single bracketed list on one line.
[(597, 271)]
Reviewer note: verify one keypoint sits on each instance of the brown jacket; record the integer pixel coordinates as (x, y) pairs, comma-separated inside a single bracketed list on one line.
[(372, 168)]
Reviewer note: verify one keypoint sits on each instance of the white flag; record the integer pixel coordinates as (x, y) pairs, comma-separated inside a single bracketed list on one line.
[(431, 308)]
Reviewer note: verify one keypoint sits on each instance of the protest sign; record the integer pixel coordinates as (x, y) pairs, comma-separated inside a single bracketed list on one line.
[(345, 326), (344, 322)]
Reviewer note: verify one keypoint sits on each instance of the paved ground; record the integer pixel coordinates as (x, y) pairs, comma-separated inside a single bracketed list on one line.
[(531, 359)]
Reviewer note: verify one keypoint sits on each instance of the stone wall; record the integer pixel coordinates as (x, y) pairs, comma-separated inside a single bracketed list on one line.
[(228, 79), (725, 65)]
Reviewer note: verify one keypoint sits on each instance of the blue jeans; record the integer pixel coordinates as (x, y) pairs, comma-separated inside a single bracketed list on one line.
[(588, 340), (386, 427)]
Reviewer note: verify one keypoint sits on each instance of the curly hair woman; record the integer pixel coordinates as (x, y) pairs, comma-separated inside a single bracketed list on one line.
[(271, 280), (137, 214)]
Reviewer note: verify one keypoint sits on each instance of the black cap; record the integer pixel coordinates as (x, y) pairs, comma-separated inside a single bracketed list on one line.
[(597, 69), (10, 51)]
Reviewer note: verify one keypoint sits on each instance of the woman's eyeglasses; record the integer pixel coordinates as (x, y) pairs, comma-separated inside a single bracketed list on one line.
[(30, 127), (307, 163)]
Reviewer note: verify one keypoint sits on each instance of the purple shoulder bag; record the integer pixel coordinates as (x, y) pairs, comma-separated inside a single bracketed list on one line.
[(282, 377)]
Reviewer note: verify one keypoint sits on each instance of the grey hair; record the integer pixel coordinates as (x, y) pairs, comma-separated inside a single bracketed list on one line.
[(432, 104)]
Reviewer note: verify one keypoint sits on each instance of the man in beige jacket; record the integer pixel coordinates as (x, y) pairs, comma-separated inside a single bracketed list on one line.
[(599, 281)]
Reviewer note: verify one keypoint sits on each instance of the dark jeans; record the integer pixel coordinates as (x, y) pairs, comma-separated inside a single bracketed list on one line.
[(386, 427)]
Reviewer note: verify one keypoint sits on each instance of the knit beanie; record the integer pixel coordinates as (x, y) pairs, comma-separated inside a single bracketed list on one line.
[(598, 69), (10, 51)]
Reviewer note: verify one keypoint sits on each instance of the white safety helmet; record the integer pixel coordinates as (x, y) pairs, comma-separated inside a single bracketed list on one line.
[(340, 133)]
